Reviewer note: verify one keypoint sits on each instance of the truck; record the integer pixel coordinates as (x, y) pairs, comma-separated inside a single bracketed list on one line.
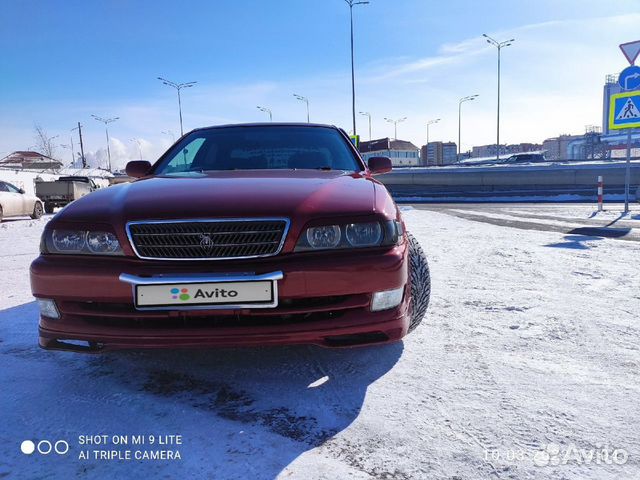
[(63, 191)]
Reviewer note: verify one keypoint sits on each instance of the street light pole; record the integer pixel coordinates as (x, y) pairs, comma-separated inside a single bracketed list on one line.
[(395, 125), (139, 143), (266, 110), (351, 3), (367, 114), (431, 122), (460, 102), (178, 87), (499, 46), (305, 100), (106, 122)]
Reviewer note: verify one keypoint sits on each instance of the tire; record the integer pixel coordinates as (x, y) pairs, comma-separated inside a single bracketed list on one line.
[(0, 214), (37, 211), (48, 208), (420, 279)]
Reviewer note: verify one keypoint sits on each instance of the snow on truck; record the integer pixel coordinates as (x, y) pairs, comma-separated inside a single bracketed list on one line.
[(63, 191)]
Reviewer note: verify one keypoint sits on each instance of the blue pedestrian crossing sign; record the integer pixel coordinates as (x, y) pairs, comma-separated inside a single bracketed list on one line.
[(624, 111)]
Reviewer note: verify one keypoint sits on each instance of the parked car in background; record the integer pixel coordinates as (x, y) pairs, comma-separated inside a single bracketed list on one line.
[(238, 235), (525, 158), (14, 202), (63, 191)]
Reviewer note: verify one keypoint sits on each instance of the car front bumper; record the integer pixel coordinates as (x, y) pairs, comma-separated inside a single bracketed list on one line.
[(323, 299)]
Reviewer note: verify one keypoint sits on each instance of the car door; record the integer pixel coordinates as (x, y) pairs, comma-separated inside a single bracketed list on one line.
[(7, 200), (19, 203)]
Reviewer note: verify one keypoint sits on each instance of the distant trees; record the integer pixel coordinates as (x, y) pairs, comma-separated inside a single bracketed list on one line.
[(43, 142)]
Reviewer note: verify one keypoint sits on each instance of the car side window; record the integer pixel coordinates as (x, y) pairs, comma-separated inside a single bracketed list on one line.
[(3, 188), (183, 161), (11, 188)]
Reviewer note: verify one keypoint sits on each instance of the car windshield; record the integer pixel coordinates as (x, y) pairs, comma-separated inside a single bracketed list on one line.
[(260, 148)]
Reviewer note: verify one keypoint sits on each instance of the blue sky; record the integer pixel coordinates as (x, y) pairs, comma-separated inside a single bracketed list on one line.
[(63, 61)]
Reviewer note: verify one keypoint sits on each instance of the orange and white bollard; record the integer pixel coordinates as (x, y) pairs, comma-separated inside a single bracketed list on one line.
[(600, 192)]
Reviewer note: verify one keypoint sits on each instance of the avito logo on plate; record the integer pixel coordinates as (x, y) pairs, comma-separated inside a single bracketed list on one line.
[(183, 294)]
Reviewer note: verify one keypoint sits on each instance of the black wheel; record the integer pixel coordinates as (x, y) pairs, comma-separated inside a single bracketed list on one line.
[(37, 211), (420, 282), (48, 208)]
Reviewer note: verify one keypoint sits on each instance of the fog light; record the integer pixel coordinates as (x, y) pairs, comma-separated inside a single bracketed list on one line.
[(386, 300), (48, 308)]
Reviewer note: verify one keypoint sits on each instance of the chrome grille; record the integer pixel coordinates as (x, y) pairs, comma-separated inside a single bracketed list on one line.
[(207, 239)]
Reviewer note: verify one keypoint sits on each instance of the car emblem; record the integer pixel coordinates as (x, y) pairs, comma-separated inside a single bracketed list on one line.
[(206, 243)]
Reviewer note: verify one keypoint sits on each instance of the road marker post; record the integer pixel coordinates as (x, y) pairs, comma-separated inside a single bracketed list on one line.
[(600, 192)]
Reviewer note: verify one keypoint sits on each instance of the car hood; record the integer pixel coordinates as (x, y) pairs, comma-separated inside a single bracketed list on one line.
[(300, 194)]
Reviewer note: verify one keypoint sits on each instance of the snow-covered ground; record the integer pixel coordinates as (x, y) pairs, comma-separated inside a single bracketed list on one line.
[(526, 367)]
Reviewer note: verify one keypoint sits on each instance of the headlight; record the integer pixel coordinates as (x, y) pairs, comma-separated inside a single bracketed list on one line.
[(363, 234), (324, 237), (351, 235), (80, 242), (69, 241)]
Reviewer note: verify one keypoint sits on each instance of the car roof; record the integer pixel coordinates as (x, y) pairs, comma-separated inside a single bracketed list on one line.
[(268, 124)]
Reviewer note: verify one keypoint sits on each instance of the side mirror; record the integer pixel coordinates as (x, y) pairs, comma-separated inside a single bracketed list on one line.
[(21, 190), (138, 168), (379, 165)]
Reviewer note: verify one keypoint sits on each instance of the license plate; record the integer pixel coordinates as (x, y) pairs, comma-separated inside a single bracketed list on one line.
[(216, 294)]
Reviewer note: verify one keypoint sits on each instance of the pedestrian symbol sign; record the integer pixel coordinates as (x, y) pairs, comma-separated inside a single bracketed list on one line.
[(629, 111), (624, 111)]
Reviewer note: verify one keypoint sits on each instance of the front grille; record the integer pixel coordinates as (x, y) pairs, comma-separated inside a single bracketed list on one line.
[(207, 239)]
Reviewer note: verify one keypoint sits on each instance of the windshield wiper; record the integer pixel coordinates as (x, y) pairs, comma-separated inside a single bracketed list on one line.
[(327, 168)]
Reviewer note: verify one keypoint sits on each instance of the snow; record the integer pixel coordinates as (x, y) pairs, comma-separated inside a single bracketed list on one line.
[(531, 339)]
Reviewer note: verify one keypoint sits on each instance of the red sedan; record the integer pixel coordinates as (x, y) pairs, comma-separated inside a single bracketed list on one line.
[(238, 235)]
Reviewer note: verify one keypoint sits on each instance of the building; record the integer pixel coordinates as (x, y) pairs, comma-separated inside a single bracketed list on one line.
[(401, 152), (439, 153), (29, 161), (557, 148), (488, 151)]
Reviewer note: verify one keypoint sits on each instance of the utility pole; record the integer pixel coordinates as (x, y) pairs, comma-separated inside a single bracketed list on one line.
[(499, 46), (84, 160), (351, 3), (367, 114)]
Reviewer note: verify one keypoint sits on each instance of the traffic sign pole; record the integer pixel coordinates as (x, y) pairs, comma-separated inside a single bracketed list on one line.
[(627, 174)]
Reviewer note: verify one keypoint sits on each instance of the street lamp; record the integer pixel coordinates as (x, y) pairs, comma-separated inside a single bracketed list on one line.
[(69, 147), (170, 133), (460, 102), (305, 100), (139, 143), (431, 122), (351, 3), (395, 125), (178, 87), (267, 110), (367, 114), (106, 122), (499, 46)]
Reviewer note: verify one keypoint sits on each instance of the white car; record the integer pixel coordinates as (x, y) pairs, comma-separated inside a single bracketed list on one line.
[(16, 202)]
